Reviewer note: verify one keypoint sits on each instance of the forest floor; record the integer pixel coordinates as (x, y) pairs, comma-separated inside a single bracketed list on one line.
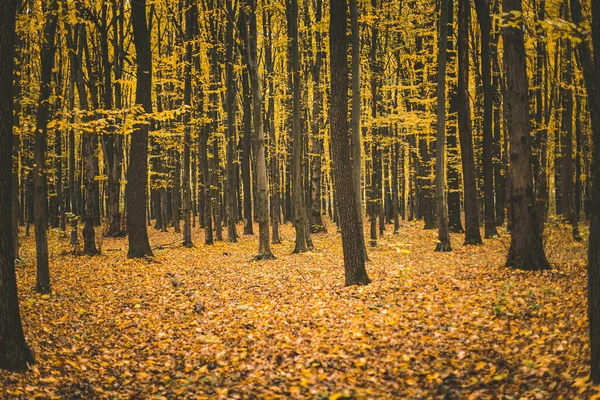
[(210, 322)]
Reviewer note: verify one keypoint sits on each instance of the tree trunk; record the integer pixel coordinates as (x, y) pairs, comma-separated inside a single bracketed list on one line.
[(526, 247), (566, 135), (136, 190), (39, 176), (472, 233), (440, 152), (352, 237), (454, 221), (190, 16), (298, 137), (262, 181), (14, 352), (593, 85), (246, 145), (230, 187)]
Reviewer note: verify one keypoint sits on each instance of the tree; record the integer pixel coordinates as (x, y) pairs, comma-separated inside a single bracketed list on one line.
[(190, 16), (526, 247), (485, 25), (440, 152), (302, 234), (590, 63), (39, 176), (352, 236), (14, 352), (230, 187), (262, 181), (355, 113), (594, 242), (472, 233), (136, 191)]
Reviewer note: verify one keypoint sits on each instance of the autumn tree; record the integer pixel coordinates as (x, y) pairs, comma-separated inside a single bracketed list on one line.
[(440, 158), (472, 233), (136, 190), (526, 247), (39, 175), (14, 352), (352, 237)]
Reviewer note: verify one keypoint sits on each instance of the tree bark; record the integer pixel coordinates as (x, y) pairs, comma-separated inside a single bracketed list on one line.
[(14, 352), (262, 181), (526, 247), (302, 233), (472, 233), (485, 25), (352, 237), (39, 176), (440, 155), (136, 190)]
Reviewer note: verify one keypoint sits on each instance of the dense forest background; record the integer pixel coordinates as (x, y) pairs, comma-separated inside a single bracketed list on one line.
[(211, 119)]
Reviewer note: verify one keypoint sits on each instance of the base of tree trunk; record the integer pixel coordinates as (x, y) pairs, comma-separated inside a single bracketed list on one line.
[(264, 257), (576, 235), (473, 241), (443, 247), (361, 280), (15, 356), (491, 232), (318, 229), (528, 262), (43, 288)]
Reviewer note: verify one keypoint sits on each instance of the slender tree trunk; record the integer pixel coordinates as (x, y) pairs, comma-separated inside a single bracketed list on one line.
[(440, 155), (352, 237), (190, 16), (302, 234), (526, 247), (39, 176), (566, 135), (355, 114), (454, 221), (472, 233), (246, 145), (485, 25), (593, 85), (14, 352), (230, 187), (262, 181), (136, 190)]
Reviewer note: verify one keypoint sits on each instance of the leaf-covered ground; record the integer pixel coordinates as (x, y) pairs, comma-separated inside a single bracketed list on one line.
[(210, 322)]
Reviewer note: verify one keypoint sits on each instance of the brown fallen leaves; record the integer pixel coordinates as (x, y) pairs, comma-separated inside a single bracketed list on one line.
[(209, 322)]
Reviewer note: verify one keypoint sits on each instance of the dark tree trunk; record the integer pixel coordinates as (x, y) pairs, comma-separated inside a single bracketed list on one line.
[(594, 242), (485, 25), (440, 155), (316, 220), (246, 145), (136, 190), (454, 221), (302, 234), (472, 233), (526, 247), (355, 114), (566, 135), (39, 176), (270, 128), (230, 187), (262, 182), (541, 132), (352, 237), (190, 16), (14, 352)]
